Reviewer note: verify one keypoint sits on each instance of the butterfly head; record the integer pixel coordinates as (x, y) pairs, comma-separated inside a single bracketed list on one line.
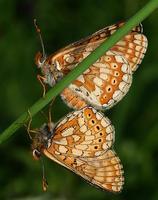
[(40, 60), (41, 140), (50, 69)]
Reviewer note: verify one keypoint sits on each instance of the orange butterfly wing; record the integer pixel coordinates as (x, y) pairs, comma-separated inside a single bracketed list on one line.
[(102, 85), (104, 171), (81, 142), (133, 46), (108, 80)]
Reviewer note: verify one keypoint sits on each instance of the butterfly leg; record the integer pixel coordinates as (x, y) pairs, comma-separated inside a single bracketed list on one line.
[(28, 126), (49, 113), (41, 79)]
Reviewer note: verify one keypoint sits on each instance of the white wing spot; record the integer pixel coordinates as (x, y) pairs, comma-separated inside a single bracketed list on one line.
[(105, 70), (56, 152), (83, 129), (62, 141), (101, 65), (103, 76), (81, 146), (98, 81), (111, 102), (87, 142), (109, 136), (109, 129), (89, 137), (123, 86), (125, 68), (77, 152), (105, 146), (81, 122), (70, 59), (126, 78), (98, 116), (119, 59), (57, 65), (62, 149), (117, 95), (76, 138), (88, 132), (104, 123), (81, 78), (68, 132)]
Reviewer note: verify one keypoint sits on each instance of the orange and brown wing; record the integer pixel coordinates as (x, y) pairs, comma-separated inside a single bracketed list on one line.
[(81, 142), (108, 80), (84, 133), (133, 47), (104, 171), (104, 84)]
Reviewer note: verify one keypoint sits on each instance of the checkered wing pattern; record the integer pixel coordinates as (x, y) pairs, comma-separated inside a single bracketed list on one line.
[(102, 85), (108, 80), (82, 142), (105, 82)]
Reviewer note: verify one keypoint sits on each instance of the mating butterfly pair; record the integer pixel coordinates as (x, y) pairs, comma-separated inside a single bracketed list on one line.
[(82, 141)]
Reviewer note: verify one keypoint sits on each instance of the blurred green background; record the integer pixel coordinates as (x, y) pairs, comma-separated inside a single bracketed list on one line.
[(135, 118)]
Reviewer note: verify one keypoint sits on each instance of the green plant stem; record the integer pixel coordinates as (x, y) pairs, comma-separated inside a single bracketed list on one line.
[(131, 23)]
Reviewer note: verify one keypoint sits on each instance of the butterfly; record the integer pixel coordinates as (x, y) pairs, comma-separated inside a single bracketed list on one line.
[(105, 82), (82, 142)]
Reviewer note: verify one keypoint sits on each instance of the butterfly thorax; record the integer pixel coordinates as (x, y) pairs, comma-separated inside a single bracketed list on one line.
[(49, 68), (42, 139)]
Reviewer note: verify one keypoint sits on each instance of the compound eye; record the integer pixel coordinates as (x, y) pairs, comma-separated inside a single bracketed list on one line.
[(39, 59), (36, 154)]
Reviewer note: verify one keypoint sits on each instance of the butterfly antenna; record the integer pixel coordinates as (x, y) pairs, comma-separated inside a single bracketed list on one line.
[(40, 37), (44, 180)]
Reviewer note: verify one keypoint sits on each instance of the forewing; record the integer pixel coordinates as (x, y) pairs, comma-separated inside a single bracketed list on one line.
[(101, 85), (133, 47), (84, 133)]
